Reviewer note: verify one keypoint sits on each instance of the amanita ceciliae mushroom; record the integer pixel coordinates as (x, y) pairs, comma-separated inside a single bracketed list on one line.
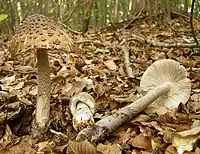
[(39, 34), (165, 79), (82, 107)]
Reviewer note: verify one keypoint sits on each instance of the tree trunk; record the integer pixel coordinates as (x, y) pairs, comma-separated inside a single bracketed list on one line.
[(87, 16), (130, 7), (116, 11), (96, 14), (186, 6), (103, 4)]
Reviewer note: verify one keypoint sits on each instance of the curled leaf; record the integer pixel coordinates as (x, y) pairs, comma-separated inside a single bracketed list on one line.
[(81, 148)]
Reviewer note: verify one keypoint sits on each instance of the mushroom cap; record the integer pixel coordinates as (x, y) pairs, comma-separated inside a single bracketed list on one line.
[(82, 97), (40, 32), (83, 117), (82, 107), (167, 70)]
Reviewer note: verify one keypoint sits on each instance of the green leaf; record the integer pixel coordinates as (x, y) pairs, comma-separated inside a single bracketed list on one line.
[(198, 36), (3, 17), (103, 51)]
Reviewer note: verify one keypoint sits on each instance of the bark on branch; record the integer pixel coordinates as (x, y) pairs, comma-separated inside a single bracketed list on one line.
[(159, 44), (127, 63)]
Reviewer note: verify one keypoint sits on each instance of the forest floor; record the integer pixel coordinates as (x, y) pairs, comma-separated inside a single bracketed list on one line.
[(97, 67)]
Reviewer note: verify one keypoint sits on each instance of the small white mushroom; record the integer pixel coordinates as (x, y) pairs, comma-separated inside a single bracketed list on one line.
[(82, 107), (173, 76)]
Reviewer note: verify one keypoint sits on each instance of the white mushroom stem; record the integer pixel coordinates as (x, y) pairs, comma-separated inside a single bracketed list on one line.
[(105, 126), (44, 88)]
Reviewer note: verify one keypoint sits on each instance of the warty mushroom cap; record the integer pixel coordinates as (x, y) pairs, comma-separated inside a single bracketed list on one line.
[(40, 32), (167, 70)]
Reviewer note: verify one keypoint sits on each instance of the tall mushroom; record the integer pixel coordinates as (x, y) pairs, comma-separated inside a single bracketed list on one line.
[(165, 79), (39, 34)]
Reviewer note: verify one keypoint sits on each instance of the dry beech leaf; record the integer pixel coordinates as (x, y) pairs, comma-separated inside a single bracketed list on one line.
[(110, 64), (141, 141), (183, 144), (81, 148), (170, 149), (185, 140), (141, 117), (125, 137), (197, 150), (110, 148), (99, 88), (76, 87), (20, 147)]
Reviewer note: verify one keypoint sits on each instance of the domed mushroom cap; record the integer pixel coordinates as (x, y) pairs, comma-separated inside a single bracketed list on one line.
[(40, 32), (167, 70)]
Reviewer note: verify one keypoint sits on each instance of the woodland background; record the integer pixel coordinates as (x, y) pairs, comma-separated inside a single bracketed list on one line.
[(149, 30), (81, 14)]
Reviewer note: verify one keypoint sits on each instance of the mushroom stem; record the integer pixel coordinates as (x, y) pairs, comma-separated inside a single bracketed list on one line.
[(44, 88), (110, 123), (127, 112)]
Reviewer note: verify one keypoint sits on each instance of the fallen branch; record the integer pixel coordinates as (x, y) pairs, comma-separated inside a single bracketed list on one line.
[(181, 15), (96, 43), (127, 63), (159, 44)]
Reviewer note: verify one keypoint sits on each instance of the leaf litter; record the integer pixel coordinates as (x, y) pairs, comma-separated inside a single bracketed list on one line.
[(97, 67)]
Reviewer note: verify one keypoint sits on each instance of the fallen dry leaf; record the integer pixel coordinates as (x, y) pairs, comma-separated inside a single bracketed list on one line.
[(22, 147), (170, 149), (81, 148), (109, 148), (142, 142), (111, 65), (185, 140)]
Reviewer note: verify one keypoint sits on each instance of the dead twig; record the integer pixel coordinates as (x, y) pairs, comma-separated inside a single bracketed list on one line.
[(180, 14), (90, 41), (58, 133), (127, 63), (71, 30)]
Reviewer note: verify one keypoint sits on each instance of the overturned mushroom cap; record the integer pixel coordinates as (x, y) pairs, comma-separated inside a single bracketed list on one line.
[(82, 107), (40, 32), (167, 70)]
